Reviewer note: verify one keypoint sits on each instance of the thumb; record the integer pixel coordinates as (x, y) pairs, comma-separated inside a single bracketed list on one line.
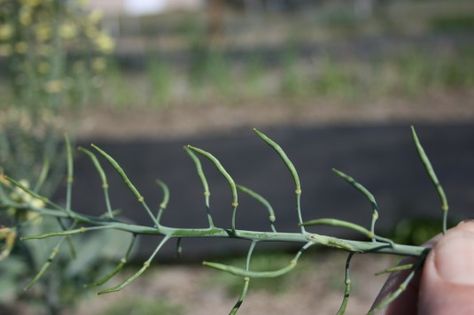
[(447, 282)]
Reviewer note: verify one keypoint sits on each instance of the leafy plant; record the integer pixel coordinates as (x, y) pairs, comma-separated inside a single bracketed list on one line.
[(74, 223), (37, 39)]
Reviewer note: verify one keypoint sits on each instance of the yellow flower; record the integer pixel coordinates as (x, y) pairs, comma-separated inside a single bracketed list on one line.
[(6, 31), (68, 31), (99, 64), (25, 16), (95, 16), (37, 203), (43, 32), (8, 235), (91, 31), (43, 67), (104, 43), (21, 47), (31, 3), (54, 86)]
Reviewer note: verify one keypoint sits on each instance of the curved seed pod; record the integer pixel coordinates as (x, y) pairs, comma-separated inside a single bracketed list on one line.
[(347, 286), (434, 179), (366, 193), (43, 175), (164, 201), (145, 266), (103, 178), (351, 226), (395, 269), (45, 266), (395, 294), (252, 274), (72, 249), (230, 180), (245, 287), (67, 232), (117, 268), (340, 223), (259, 274), (263, 201), (291, 167), (47, 263), (179, 247), (242, 296), (127, 181), (70, 173), (205, 185)]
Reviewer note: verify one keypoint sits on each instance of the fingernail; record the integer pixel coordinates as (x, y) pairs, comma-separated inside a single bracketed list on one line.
[(454, 256)]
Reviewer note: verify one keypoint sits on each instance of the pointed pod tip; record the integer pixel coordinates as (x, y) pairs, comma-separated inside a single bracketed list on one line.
[(106, 291), (258, 132), (338, 172)]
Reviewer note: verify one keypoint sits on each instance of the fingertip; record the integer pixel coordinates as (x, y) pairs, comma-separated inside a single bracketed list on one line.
[(447, 284)]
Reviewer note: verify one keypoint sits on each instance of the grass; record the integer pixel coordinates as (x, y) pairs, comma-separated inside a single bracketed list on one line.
[(212, 77)]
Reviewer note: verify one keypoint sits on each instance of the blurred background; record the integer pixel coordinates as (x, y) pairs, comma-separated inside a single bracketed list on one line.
[(336, 83)]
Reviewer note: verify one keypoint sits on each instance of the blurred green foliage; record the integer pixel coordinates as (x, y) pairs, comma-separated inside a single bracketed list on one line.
[(212, 77), (416, 231), (462, 23), (143, 306)]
